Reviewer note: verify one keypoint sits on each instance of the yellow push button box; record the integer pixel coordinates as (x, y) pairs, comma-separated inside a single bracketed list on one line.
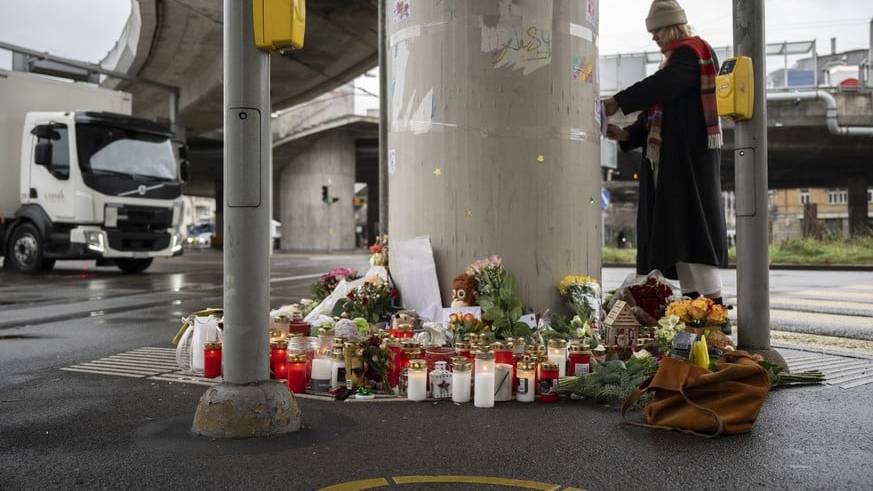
[(279, 24), (735, 89)]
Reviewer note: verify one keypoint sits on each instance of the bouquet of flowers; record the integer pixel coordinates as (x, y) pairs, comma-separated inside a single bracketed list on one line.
[(698, 313), (651, 294), (582, 295), (667, 329), (379, 252), (328, 281), (501, 306), (463, 324), (370, 301)]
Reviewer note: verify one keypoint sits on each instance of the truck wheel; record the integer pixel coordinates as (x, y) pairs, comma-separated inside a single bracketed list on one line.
[(128, 265), (26, 249)]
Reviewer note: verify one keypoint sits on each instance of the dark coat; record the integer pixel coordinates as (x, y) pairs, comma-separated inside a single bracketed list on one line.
[(682, 218)]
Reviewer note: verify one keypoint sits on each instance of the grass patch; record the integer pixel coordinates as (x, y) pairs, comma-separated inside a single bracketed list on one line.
[(857, 251)]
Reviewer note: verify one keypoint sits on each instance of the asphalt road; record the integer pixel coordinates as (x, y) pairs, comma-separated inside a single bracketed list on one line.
[(62, 429)]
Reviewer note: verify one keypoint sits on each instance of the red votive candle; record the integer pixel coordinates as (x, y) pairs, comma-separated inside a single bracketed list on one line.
[(212, 360), (394, 367), (296, 371), (279, 360), (580, 362), (548, 382), (299, 328)]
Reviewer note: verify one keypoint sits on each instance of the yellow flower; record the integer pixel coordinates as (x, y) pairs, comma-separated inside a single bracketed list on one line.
[(679, 308), (717, 316), (699, 308), (571, 280)]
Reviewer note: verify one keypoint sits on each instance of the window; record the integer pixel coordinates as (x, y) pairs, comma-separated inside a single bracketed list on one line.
[(804, 196), (838, 196), (56, 135)]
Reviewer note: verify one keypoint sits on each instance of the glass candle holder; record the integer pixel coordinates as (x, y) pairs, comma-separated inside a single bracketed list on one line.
[(549, 382), (321, 374), (525, 391), (440, 379), (461, 379), (211, 360), (279, 324), (396, 361), (484, 380), (337, 368), (502, 353), (558, 355), (580, 361), (278, 359), (417, 380), (325, 341), (297, 373), (502, 382)]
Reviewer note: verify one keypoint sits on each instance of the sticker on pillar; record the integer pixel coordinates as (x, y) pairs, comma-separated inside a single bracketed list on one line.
[(591, 12), (392, 162), (583, 69), (520, 37), (401, 10)]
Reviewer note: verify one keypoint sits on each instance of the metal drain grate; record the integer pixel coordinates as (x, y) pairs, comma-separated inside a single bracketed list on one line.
[(842, 371)]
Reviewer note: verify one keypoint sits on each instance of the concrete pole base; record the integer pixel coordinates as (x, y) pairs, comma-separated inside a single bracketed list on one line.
[(246, 411), (769, 355)]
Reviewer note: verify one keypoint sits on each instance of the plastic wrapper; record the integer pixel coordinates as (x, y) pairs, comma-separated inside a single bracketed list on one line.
[(582, 296), (342, 289), (651, 293), (433, 334)]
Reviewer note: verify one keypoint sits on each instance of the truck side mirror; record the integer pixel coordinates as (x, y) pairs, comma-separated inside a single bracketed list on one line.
[(43, 153), (185, 170)]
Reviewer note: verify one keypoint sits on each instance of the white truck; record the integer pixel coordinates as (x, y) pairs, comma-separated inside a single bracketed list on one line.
[(82, 179)]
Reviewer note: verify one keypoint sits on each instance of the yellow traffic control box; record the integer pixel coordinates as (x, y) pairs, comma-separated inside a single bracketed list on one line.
[(735, 89), (279, 24)]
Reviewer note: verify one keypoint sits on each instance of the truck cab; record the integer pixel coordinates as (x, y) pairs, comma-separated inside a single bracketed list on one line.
[(94, 185)]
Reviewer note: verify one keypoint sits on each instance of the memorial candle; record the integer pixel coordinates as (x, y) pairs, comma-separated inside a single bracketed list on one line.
[(297, 373), (321, 375), (580, 361), (211, 360), (460, 379), (549, 382), (484, 383), (278, 359), (527, 373), (417, 381), (558, 355)]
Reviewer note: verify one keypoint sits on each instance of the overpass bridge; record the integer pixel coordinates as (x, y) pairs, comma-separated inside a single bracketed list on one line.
[(179, 43)]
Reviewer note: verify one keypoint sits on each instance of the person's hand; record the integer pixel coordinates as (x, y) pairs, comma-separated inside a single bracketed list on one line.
[(611, 106), (614, 132)]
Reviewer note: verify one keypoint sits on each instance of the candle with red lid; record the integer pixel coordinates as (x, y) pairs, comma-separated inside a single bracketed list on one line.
[(297, 373), (211, 360), (278, 360), (580, 360), (548, 382)]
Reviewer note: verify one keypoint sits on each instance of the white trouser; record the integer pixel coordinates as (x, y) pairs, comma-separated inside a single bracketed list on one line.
[(701, 278)]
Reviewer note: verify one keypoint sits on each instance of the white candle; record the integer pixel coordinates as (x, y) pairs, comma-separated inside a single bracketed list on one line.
[(483, 390), (320, 375), (502, 382), (461, 386), (337, 371), (558, 355), (526, 379), (417, 382)]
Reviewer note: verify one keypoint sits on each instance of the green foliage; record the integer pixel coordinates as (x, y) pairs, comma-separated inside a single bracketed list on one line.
[(611, 382), (501, 306)]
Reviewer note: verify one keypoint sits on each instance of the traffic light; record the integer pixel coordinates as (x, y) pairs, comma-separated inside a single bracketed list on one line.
[(324, 198)]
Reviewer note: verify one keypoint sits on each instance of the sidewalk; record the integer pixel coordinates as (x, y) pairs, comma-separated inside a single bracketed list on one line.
[(63, 429)]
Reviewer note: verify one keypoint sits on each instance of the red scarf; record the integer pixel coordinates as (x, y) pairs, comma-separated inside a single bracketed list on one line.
[(708, 71)]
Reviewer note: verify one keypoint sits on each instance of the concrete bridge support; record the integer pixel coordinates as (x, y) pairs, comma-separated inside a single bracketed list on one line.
[(493, 144), (858, 206), (308, 223)]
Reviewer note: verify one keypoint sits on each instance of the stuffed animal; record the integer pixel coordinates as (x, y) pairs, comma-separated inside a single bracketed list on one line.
[(464, 290)]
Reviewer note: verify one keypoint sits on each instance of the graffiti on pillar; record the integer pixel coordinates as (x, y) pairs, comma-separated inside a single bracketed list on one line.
[(521, 37), (591, 12), (401, 10)]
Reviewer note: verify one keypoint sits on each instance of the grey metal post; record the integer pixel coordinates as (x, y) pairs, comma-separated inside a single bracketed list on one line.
[(383, 123), (247, 191), (247, 403), (750, 160)]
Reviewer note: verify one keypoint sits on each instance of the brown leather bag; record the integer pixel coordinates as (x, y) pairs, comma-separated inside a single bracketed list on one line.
[(704, 403)]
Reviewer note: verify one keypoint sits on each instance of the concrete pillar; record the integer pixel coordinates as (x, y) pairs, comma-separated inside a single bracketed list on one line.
[(218, 234), (858, 206), (307, 222), (493, 144)]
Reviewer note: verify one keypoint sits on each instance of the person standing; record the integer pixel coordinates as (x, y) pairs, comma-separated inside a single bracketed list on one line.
[(680, 220)]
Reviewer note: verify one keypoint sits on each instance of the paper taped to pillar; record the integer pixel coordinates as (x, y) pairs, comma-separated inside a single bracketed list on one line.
[(500, 96), (414, 274)]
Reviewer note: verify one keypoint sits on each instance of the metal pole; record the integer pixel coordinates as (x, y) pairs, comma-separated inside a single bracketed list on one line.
[(383, 123), (753, 281), (247, 189), (246, 404)]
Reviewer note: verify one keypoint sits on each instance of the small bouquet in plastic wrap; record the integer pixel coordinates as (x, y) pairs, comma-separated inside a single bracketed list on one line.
[(647, 295), (582, 295), (328, 281)]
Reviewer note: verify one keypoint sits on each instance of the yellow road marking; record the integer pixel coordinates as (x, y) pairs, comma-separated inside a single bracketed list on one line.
[(494, 481), (358, 485)]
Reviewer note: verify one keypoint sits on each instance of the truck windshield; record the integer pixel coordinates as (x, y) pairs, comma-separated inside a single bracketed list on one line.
[(121, 151)]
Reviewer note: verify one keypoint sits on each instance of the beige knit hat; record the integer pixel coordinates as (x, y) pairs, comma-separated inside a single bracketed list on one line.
[(665, 13)]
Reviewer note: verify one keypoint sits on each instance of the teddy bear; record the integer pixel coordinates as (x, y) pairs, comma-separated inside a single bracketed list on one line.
[(464, 290)]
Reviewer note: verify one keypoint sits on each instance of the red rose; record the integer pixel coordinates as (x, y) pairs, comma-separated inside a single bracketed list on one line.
[(393, 293)]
